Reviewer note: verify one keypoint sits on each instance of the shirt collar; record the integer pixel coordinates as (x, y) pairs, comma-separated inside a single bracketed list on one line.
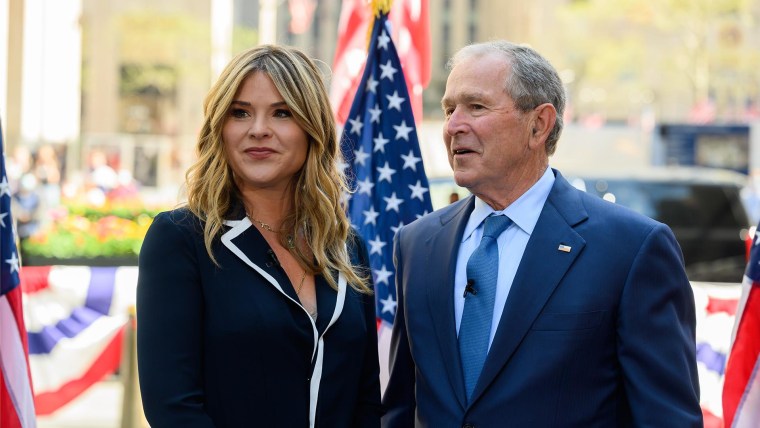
[(524, 212)]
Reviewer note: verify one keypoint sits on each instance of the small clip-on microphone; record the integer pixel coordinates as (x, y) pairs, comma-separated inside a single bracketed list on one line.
[(469, 288)]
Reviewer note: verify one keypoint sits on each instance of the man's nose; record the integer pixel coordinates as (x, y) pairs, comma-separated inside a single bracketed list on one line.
[(455, 123)]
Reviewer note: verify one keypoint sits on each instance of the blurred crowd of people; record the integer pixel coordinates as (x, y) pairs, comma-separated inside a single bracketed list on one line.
[(39, 183), (35, 182)]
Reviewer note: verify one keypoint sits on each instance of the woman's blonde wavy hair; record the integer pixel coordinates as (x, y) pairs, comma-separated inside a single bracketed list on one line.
[(319, 215)]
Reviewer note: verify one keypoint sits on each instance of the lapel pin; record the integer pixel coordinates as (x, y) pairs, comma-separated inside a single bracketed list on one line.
[(564, 248)]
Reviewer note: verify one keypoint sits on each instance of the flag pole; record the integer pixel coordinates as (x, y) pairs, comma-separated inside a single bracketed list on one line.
[(132, 415), (267, 22)]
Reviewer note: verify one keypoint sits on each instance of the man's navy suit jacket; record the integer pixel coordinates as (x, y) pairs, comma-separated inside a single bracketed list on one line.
[(601, 335)]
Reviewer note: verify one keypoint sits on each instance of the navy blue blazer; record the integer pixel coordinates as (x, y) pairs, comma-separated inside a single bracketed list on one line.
[(600, 336), (230, 346)]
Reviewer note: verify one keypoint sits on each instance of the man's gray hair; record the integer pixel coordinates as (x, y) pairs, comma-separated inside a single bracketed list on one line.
[(532, 81)]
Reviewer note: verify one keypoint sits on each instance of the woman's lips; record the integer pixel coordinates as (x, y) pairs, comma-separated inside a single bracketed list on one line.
[(259, 152)]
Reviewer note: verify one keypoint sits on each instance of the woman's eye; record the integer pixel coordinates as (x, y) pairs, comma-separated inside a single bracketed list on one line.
[(238, 113), (282, 113)]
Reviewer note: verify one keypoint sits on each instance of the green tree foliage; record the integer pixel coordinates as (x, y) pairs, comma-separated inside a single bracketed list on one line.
[(158, 48), (244, 38), (625, 55)]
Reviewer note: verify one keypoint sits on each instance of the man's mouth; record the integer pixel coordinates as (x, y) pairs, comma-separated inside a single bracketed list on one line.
[(462, 151)]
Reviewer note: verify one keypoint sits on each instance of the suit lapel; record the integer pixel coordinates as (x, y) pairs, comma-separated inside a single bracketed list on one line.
[(442, 247), (240, 241), (542, 267)]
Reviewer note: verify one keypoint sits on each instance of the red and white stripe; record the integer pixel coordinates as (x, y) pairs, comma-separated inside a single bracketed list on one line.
[(74, 363), (16, 398), (741, 393)]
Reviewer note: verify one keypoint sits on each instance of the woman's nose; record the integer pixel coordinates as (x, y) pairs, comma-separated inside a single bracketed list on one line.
[(259, 128)]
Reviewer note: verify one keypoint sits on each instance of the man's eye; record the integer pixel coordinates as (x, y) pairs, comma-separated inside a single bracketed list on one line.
[(448, 111)]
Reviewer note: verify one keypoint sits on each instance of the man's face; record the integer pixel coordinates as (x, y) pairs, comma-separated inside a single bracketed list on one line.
[(486, 136)]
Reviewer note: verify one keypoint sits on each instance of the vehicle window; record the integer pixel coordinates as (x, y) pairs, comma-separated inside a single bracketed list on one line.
[(676, 204)]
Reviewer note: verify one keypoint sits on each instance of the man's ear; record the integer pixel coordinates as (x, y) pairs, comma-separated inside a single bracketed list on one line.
[(544, 118)]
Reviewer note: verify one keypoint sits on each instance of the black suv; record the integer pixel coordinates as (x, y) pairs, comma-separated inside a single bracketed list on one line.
[(702, 206)]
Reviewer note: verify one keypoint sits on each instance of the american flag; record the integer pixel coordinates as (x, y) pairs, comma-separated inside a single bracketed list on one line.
[(716, 305), (741, 388), (16, 398), (384, 166)]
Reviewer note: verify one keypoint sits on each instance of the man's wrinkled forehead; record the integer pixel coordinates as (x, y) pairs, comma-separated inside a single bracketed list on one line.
[(479, 88)]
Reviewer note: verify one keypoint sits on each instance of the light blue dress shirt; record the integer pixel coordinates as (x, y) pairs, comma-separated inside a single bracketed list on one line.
[(524, 213)]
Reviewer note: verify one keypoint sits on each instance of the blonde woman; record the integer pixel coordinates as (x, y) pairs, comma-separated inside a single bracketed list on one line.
[(253, 304)]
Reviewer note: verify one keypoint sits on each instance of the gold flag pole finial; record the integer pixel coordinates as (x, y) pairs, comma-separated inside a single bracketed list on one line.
[(378, 6), (383, 6)]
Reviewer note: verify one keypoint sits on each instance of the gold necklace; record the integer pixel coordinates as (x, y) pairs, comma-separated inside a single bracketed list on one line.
[(260, 223), (263, 225), (289, 239), (300, 285), (312, 312)]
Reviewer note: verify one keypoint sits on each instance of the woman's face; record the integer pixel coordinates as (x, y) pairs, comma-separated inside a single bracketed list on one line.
[(264, 144)]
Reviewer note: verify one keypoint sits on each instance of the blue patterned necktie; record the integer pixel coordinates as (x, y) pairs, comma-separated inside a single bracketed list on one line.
[(475, 327)]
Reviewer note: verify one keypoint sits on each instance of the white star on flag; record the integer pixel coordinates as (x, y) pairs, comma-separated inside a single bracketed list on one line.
[(13, 261), (386, 173), (393, 202), (365, 186), (388, 70), (5, 189), (370, 216), (372, 85), (418, 191), (389, 305), (402, 131), (360, 156), (383, 40), (356, 125), (375, 114), (380, 143), (382, 275), (394, 101), (376, 245), (342, 165), (410, 160)]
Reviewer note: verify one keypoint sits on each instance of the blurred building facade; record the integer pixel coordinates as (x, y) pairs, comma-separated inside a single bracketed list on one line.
[(129, 78)]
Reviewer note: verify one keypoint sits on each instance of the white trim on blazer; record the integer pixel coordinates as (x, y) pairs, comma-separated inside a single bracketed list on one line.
[(240, 226)]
